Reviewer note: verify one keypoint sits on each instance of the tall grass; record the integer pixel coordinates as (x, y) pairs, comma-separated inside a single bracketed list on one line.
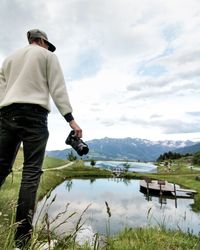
[(44, 234), (151, 238), (154, 239), (108, 220)]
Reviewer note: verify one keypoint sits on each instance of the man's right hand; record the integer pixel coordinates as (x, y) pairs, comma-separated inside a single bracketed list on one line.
[(76, 128)]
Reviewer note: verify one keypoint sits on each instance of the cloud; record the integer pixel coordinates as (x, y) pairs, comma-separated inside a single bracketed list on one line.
[(155, 116), (107, 123), (194, 113), (168, 126), (17, 17), (179, 126), (129, 65)]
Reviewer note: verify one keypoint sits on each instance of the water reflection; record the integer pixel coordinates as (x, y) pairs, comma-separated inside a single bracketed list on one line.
[(129, 207), (139, 167)]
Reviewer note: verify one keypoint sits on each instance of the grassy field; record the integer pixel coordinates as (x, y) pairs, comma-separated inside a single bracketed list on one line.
[(138, 239), (153, 239)]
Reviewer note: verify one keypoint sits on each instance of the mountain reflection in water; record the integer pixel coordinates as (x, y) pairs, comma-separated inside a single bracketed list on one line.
[(128, 206)]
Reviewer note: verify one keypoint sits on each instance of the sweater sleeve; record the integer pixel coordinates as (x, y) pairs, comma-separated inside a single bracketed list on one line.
[(69, 117), (56, 84), (2, 84)]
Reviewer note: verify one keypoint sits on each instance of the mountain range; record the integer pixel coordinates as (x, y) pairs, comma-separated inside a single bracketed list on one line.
[(129, 149)]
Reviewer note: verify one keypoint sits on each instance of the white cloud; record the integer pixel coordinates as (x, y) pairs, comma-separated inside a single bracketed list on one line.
[(131, 67)]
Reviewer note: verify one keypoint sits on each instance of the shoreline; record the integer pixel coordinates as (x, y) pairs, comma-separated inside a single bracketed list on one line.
[(78, 170)]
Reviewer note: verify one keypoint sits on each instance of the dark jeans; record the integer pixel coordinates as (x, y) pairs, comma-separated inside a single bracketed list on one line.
[(26, 123)]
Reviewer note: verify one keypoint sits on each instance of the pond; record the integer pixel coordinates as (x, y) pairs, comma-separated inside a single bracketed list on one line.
[(128, 206), (139, 167)]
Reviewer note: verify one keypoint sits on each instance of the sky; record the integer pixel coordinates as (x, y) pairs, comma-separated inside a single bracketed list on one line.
[(131, 66)]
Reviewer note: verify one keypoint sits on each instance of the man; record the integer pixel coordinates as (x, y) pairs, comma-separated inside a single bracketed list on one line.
[(27, 78)]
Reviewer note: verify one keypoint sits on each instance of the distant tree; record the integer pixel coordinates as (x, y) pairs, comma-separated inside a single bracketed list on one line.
[(126, 166), (169, 156), (71, 156), (92, 162), (196, 158)]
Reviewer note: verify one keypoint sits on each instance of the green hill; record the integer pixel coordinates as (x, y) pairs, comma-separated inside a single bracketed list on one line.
[(49, 162)]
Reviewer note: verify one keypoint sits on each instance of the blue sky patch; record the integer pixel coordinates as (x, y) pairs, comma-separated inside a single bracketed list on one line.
[(89, 63), (152, 70), (171, 32)]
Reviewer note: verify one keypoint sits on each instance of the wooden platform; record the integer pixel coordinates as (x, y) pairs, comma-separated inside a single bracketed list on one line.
[(163, 187)]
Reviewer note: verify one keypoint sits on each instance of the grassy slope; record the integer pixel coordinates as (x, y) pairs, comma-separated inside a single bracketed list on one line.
[(50, 162), (11, 186), (153, 239), (9, 191)]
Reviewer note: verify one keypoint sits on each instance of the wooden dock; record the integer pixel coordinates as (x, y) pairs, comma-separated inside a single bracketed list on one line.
[(163, 188)]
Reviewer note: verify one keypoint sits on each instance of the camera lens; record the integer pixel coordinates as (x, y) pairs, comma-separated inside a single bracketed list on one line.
[(83, 149)]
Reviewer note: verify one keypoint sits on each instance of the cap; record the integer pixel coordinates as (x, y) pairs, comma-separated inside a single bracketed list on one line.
[(36, 33)]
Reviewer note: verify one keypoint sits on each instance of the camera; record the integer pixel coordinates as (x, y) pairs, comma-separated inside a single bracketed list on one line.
[(77, 144)]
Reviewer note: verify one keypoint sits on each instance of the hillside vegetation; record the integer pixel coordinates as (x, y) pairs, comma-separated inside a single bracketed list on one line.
[(9, 191)]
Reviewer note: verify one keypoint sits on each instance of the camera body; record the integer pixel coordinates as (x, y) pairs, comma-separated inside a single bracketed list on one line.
[(77, 144)]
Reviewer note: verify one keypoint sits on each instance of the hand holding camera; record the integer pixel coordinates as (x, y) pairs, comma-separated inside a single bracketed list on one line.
[(76, 128), (77, 144)]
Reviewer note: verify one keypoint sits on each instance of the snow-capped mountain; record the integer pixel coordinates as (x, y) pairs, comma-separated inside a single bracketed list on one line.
[(126, 148)]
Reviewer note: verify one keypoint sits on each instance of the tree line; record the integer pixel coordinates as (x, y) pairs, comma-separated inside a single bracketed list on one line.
[(171, 156), (195, 158)]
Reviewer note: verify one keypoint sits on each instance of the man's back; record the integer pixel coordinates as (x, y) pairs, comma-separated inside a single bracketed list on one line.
[(25, 73)]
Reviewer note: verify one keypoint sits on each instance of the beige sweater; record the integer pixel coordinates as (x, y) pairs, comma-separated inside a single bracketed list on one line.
[(31, 75)]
